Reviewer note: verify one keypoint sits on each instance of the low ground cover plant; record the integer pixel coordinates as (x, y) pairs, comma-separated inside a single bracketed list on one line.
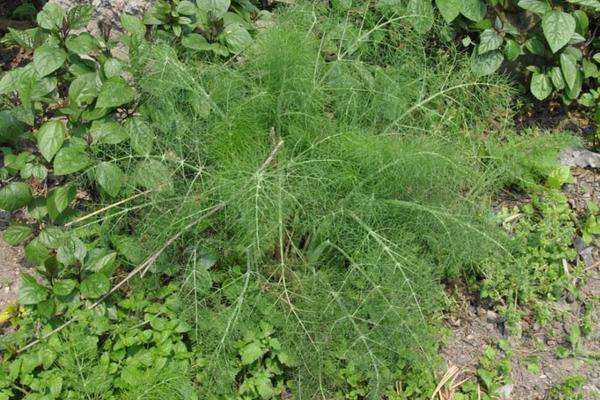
[(279, 224)]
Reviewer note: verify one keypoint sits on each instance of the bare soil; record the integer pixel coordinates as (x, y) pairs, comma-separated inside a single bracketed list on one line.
[(475, 326)]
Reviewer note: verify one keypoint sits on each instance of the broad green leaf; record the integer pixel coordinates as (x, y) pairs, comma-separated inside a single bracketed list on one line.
[(488, 41), (556, 77), (14, 196), (10, 127), (264, 386), (112, 68), (37, 208), (540, 86), (48, 58), (186, 7), (573, 92), (36, 252), (141, 137), (84, 89), (236, 37), (590, 70), (488, 63), (50, 138), (108, 132), (27, 38), (70, 160), (582, 22), (569, 68), (79, 16), (72, 251), (450, 9), (95, 286), (559, 177), (133, 25), (535, 6), (16, 234), (109, 177), (558, 28), (115, 92), (100, 260), (536, 46), (52, 237), (217, 8), (30, 291), (51, 17), (475, 10), (63, 287), (82, 44), (195, 41), (421, 12), (59, 199), (512, 50), (593, 4), (152, 174)]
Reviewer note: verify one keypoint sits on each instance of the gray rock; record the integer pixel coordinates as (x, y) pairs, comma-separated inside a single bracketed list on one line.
[(505, 391), (580, 158), (108, 11)]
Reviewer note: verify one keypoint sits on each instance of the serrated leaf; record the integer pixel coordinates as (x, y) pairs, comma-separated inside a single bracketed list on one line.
[(488, 63), (251, 352), (14, 196), (50, 138), (540, 86), (72, 251), (36, 252), (535, 6), (115, 92), (558, 28), (450, 9), (569, 68), (95, 286), (30, 291), (47, 59), (421, 12), (488, 41), (109, 177), (475, 10), (70, 160), (16, 234)]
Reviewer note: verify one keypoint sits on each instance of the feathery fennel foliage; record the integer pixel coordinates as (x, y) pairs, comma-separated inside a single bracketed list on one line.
[(350, 189)]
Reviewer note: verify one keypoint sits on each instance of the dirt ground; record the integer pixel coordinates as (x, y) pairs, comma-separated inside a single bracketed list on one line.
[(10, 270), (474, 327)]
